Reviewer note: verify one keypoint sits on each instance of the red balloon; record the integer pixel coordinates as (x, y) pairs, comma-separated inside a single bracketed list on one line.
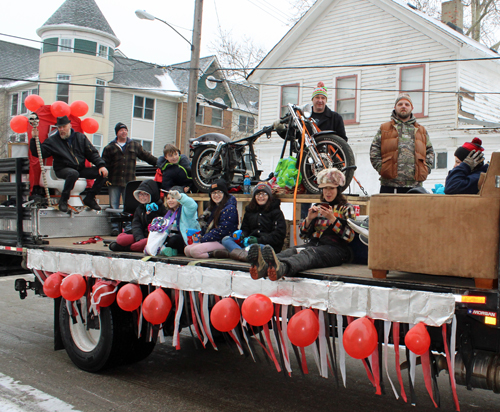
[(33, 102), (417, 339), (225, 315), (303, 328), (98, 290), (52, 284), (19, 124), (360, 338), (257, 309), (129, 297), (79, 108), (89, 125), (156, 307), (59, 109), (73, 287)]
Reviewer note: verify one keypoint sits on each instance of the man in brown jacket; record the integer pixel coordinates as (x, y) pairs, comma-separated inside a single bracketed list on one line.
[(402, 152), (121, 156)]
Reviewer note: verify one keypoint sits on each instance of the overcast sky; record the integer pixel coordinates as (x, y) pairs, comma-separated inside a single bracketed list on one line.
[(265, 21)]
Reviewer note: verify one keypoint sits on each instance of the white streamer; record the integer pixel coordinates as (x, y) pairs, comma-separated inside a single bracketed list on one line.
[(178, 313), (340, 334), (322, 345), (206, 316), (387, 330), (284, 341), (413, 362), (193, 300)]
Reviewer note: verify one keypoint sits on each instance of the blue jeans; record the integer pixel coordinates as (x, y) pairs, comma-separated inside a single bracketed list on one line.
[(230, 244), (115, 192)]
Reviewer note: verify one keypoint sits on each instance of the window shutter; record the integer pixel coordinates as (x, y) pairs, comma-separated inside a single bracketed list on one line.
[(50, 45), (85, 47), (111, 53)]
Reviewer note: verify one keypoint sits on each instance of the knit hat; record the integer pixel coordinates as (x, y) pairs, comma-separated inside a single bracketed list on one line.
[(262, 187), (463, 151), (119, 126), (62, 121), (219, 185), (330, 178), (320, 89), (404, 96)]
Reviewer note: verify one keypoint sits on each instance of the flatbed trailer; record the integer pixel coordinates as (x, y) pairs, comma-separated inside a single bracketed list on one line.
[(461, 319)]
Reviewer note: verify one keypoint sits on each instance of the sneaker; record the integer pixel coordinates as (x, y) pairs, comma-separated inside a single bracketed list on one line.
[(258, 268), (90, 201), (276, 269), (363, 240), (115, 247), (168, 251), (360, 227), (115, 232)]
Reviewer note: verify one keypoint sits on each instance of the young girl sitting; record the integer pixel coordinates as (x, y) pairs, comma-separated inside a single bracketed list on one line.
[(151, 206), (263, 223), (185, 210), (221, 220)]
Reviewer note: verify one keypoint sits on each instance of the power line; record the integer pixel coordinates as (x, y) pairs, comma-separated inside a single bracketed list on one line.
[(265, 11)]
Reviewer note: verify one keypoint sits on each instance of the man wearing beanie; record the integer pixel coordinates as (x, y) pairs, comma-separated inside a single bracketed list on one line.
[(326, 119), (469, 165), (405, 147), (121, 156)]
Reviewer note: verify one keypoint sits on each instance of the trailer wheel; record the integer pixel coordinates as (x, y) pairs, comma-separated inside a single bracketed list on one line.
[(92, 349), (112, 344)]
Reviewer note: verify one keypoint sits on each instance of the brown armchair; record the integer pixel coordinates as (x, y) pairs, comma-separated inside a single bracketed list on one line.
[(444, 235)]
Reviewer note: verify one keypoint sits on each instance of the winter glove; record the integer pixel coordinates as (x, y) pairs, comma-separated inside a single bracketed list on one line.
[(250, 240), (175, 194), (278, 126), (474, 159)]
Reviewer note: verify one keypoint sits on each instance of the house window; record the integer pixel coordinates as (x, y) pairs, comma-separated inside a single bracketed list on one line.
[(15, 105), (289, 94), (146, 144), (103, 51), (345, 101), (63, 87), (216, 117), (200, 111), (144, 107), (412, 81), (441, 160), (99, 96), (97, 141), (66, 45), (246, 124), (17, 102)]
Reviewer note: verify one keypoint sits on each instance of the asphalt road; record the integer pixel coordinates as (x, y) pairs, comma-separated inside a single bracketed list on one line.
[(33, 377)]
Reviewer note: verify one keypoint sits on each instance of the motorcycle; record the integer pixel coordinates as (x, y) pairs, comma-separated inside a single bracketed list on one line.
[(215, 156)]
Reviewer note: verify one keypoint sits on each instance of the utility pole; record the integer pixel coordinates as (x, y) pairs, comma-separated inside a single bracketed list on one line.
[(193, 75)]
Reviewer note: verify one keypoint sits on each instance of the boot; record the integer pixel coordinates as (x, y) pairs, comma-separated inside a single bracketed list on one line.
[(90, 201), (63, 202), (220, 254), (259, 266), (238, 254), (115, 247), (276, 269)]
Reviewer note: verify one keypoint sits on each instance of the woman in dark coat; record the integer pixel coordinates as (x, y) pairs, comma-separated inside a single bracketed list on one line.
[(263, 223)]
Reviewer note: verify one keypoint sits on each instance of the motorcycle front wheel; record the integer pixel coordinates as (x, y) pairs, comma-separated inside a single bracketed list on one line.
[(334, 152), (204, 174)]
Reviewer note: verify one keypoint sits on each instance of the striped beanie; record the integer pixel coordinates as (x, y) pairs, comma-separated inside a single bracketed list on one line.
[(320, 89)]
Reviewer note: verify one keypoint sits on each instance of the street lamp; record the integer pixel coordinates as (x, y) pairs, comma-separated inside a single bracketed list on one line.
[(193, 67)]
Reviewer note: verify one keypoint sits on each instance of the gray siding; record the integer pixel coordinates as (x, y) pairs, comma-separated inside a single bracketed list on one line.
[(120, 111), (165, 125)]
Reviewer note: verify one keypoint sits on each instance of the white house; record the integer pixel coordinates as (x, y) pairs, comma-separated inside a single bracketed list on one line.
[(366, 51)]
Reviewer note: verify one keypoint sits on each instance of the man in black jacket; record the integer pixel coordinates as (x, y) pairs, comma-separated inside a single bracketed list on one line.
[(70, 149), (326, 119)]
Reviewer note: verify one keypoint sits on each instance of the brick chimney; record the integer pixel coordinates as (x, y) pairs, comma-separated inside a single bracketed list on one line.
[(453, 12)]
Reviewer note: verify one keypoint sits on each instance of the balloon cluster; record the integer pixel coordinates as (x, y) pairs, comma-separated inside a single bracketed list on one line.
[(78, 108), (71, 287)]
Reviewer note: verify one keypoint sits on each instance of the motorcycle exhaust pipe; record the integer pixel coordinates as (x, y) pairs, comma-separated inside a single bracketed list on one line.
[(485, 371)]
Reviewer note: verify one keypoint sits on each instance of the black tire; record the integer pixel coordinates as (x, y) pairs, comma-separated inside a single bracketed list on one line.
[(335, 152), (203, 177), (113, 344)]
